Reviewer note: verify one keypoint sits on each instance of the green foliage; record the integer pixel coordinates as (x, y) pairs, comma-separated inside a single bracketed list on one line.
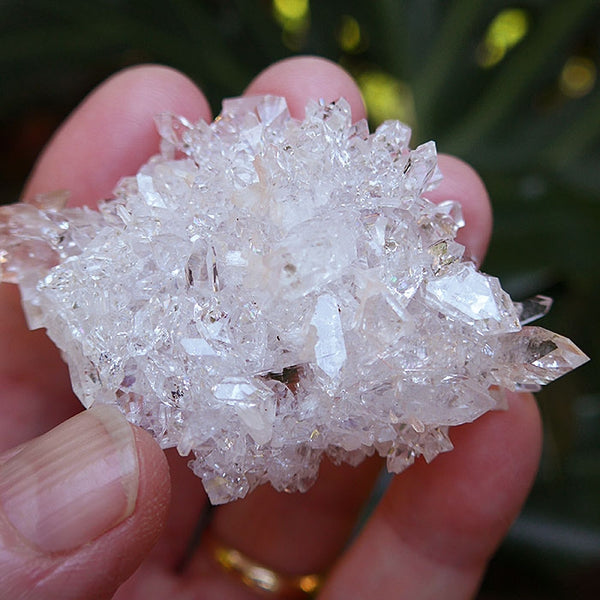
[(534, 139)]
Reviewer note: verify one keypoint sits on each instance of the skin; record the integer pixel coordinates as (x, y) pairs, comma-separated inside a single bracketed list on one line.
[(435, 529)]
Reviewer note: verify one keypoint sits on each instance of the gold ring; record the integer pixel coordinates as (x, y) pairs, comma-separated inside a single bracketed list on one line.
[(261, 578)]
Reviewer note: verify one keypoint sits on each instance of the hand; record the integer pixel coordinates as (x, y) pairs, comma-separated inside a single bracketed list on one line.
[(84, 505)]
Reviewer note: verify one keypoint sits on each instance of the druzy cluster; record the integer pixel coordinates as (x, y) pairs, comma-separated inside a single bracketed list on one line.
[(267, 291)]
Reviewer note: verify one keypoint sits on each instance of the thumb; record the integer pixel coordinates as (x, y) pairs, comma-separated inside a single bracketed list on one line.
[(80, 507)]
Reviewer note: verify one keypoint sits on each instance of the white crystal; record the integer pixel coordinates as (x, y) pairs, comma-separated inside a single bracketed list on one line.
[(330, 350), (476, 297), (267, 291), (197, 347)]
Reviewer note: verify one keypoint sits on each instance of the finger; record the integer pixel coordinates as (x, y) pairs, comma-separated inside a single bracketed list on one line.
[(110, 135), (188, 503), (438, 524), (80, 507), (35, 390), (463, 184)]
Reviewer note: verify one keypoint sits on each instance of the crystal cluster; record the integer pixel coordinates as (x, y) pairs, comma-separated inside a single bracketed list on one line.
[(267, 291)]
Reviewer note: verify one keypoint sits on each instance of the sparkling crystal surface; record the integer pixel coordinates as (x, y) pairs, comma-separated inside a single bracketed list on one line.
[(267, 291)]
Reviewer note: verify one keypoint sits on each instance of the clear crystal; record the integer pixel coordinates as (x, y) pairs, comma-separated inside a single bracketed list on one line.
[(533, 308), (267, 291)]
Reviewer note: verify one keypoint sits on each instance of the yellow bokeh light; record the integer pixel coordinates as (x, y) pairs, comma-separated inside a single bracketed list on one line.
[(291, 10), (577, 77), (294, 18), (505, 31), (309, 583), (386, 97), (508, 28), (349, 36)]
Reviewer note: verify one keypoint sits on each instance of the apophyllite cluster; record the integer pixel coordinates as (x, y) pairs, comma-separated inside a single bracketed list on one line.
[(267, 291)]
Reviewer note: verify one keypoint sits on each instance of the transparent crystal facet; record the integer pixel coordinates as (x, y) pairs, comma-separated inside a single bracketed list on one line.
[(533, 308), (267, 291)]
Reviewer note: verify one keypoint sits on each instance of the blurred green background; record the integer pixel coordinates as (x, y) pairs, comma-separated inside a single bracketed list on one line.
[(510, 87)]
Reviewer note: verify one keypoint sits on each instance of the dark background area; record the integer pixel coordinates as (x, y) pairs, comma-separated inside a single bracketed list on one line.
[(510, 87)]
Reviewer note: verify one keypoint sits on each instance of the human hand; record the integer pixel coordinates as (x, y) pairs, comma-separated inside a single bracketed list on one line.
[(85, 504)]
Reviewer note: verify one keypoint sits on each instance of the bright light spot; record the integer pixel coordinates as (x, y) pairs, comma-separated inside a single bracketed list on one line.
[(386, 97), (291, 10), (577, 77), (294, 18), (309, 583), (349, 37), (506, 30)]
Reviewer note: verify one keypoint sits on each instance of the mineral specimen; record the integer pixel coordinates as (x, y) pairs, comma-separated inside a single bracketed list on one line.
[(267, 291)]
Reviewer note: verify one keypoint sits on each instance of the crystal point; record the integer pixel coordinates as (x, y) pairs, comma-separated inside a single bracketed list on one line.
[(267, 291), (551, 354)]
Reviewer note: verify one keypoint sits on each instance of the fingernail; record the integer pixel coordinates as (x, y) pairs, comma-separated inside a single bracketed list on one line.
[(74, 483)]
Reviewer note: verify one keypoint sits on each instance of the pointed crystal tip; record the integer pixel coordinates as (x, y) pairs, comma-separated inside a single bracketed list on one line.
[(549, 355)]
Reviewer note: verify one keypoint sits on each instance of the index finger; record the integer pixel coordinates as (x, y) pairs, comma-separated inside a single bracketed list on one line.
[(112, 133)]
